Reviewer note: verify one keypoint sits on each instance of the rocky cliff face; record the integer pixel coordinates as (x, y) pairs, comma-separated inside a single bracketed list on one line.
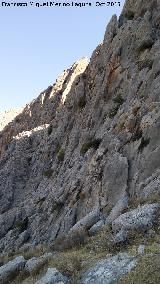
[(7, 116), (90, 140)]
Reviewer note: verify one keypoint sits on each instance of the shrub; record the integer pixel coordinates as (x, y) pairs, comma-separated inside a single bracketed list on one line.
[(60, 155), (90, 144), (148, 63), (57, 205), (113, 111), (22, 225), (144, 143), (48, 173), (85, 147), (129, 15), (118, 100)]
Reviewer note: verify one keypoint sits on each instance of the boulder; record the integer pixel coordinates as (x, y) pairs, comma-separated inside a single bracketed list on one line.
[(141, 218), (34, 263), (11, 269), (96, 228), (109, 270), (53, 276), (88, 221), (118, 209), (121, 238)]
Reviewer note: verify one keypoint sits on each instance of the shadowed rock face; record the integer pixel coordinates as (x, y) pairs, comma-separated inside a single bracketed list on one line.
[(89, 140)]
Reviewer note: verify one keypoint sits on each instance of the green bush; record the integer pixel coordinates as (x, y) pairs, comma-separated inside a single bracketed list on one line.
[(113, 111), (60, 155), (48, 173), (57, 205), (22, 225), (118, 100), (90, 144), (129, 15), (85, 147)]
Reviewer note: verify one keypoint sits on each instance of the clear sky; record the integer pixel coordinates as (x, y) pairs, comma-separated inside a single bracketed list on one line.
[(37, 44)]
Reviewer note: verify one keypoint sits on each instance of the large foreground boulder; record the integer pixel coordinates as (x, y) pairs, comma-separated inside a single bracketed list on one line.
[(53, 276), (142, 218), (10, 270), (109, 270)]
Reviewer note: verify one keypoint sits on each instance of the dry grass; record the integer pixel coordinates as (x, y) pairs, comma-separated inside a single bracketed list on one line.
[(68, 241), (27, 253), (147, 271), (76, 257)]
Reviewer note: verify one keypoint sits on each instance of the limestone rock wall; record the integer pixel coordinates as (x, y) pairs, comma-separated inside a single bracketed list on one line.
[(90, 139)]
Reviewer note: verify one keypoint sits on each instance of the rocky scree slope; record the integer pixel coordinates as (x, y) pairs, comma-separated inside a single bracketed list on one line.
[(87, 149)]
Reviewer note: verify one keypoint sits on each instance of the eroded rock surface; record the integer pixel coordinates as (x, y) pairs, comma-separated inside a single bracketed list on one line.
[(10, 270), (53, 276), (141, 218), (88, 142), (109, 270)]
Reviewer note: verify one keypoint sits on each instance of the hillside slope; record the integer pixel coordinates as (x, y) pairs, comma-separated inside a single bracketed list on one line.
[(89, 142)]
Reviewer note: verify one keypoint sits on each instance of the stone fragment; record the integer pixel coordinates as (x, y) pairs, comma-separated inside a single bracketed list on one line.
[(11, 269), (34, 263), (88, 221), (53, 276), (96, 228)]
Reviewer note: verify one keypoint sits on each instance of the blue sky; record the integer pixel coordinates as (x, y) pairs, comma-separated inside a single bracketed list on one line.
[(37, 44)]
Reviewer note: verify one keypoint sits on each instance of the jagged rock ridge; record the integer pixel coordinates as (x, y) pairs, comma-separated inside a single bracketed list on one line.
[(8, 116)]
